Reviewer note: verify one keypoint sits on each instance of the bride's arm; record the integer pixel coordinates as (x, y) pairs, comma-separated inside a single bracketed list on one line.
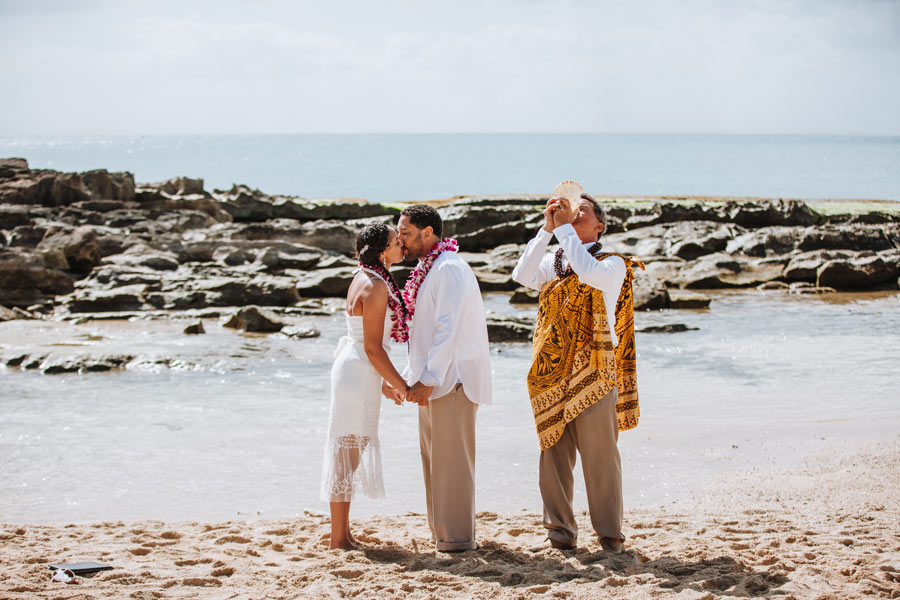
[(375, 299)]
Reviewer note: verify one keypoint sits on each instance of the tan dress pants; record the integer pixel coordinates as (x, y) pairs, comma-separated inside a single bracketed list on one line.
[(594, 434), (447, 440)]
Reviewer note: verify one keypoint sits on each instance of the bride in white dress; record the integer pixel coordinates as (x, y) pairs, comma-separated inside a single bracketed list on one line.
[(362, 372)]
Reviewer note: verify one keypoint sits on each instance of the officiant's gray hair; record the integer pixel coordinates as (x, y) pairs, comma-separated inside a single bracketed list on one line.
[(598, 210), (371, 241)]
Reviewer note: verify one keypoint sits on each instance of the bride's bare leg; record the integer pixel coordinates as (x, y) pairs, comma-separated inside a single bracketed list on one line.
[(354, 464), (340, 511), (340, 527)]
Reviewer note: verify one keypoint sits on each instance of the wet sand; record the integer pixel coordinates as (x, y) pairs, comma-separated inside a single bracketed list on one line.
[(827, 530)]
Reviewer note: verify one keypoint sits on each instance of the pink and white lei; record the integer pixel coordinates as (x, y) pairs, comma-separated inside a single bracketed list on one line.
[(411, 289), (399, 314)]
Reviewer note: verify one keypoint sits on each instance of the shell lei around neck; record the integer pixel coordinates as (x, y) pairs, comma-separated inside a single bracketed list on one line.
[(557, 260), (399, 314), (411, 289)]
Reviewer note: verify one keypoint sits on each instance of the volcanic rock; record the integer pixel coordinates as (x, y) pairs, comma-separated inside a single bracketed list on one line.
[(861, 272), (46, 188), (82, 364), (195, 328), (103, 185), (26, 236), (805, 265), (849, 237), (644, 243), (668, 328), (765, 241), (490, 281), (256, 319), (12, 167), (524, 295), (503, 258), (685, 299), (325, 282), (7, 314), (649, 292), (300, 333), (141, 255), (12, 216), (257, 289), (769, 213), (79, 246), (509, 329), (692, 239), (288, 257), (26, 280), (129, 297), (181, 186), (720, 270)]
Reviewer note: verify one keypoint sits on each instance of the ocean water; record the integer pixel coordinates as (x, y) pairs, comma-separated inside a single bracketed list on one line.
[(766, 380), (389, 168)]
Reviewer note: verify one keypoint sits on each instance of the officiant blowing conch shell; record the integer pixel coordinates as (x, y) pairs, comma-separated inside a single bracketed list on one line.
[(582, 382)]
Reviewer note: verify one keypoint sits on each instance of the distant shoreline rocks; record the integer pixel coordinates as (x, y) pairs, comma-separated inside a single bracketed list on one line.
[(98, 242)]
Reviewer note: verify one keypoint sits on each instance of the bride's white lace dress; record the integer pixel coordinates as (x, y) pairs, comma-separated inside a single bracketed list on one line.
[(353, 424)]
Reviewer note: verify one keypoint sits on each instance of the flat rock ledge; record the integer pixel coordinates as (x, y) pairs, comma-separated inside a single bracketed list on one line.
[(96, 244)]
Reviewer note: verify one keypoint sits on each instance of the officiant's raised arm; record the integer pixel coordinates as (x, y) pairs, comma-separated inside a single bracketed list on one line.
[(532, 270)]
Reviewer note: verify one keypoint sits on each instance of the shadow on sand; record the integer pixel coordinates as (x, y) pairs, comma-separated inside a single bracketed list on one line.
[(497, 563)]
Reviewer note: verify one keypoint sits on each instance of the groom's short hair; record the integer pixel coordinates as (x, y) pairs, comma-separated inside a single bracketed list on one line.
[(422, 216)]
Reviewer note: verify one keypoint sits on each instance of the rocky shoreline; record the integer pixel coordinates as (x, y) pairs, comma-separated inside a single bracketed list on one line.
[(84, 245)]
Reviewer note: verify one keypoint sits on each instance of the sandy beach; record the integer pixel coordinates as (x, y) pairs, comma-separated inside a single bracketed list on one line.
[(826, 530), (195, 208)]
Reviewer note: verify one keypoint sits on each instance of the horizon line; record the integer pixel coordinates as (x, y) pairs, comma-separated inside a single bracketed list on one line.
[(448, 133)]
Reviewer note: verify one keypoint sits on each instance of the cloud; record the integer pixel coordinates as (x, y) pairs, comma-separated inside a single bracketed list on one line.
[(42, 8), (504, 65)]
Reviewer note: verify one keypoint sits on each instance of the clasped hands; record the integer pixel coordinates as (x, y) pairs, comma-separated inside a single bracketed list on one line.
[(418, 393), (558, 212)]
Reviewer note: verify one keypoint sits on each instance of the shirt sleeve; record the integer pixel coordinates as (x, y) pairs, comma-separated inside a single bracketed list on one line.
[(449, 302), (604, 275), (531, 270)]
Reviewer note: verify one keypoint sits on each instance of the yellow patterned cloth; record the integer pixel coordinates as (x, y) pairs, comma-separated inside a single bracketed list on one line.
[(574, 363)]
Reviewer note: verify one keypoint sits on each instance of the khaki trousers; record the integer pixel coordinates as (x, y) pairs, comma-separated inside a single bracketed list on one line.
[(594, 434), (447, 441)]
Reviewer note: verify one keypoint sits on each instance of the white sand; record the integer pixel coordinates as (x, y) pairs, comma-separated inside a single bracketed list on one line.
[(830, 530)]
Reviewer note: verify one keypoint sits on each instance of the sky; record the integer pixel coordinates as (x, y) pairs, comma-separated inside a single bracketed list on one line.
[(104, 67)]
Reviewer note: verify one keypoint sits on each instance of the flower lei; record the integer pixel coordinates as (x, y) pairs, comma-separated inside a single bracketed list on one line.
[(557, 260), (399, 314), (411, 289)]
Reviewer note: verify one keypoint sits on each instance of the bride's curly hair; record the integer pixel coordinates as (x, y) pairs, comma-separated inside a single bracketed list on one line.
[(371, 241)]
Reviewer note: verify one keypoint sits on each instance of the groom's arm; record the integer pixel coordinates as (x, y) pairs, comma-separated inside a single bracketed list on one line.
[(448, 310)]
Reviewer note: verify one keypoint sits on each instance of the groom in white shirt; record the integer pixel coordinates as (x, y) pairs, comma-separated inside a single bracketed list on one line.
[(449, 373)]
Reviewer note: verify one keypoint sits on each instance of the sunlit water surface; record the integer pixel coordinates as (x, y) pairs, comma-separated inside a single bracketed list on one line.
[(765, 381)]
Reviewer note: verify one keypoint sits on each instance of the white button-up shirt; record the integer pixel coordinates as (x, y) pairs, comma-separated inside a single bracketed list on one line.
[(535, 268), (448, 341)]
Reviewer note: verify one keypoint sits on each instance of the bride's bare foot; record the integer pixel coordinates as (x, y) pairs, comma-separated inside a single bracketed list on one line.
[(356, 543), (344, 544)]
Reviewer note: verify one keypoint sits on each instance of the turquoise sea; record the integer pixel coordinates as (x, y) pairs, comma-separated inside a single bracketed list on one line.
[(388, 168)]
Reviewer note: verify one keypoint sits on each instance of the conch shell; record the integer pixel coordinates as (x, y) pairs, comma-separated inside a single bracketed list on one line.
[(570, 190)]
